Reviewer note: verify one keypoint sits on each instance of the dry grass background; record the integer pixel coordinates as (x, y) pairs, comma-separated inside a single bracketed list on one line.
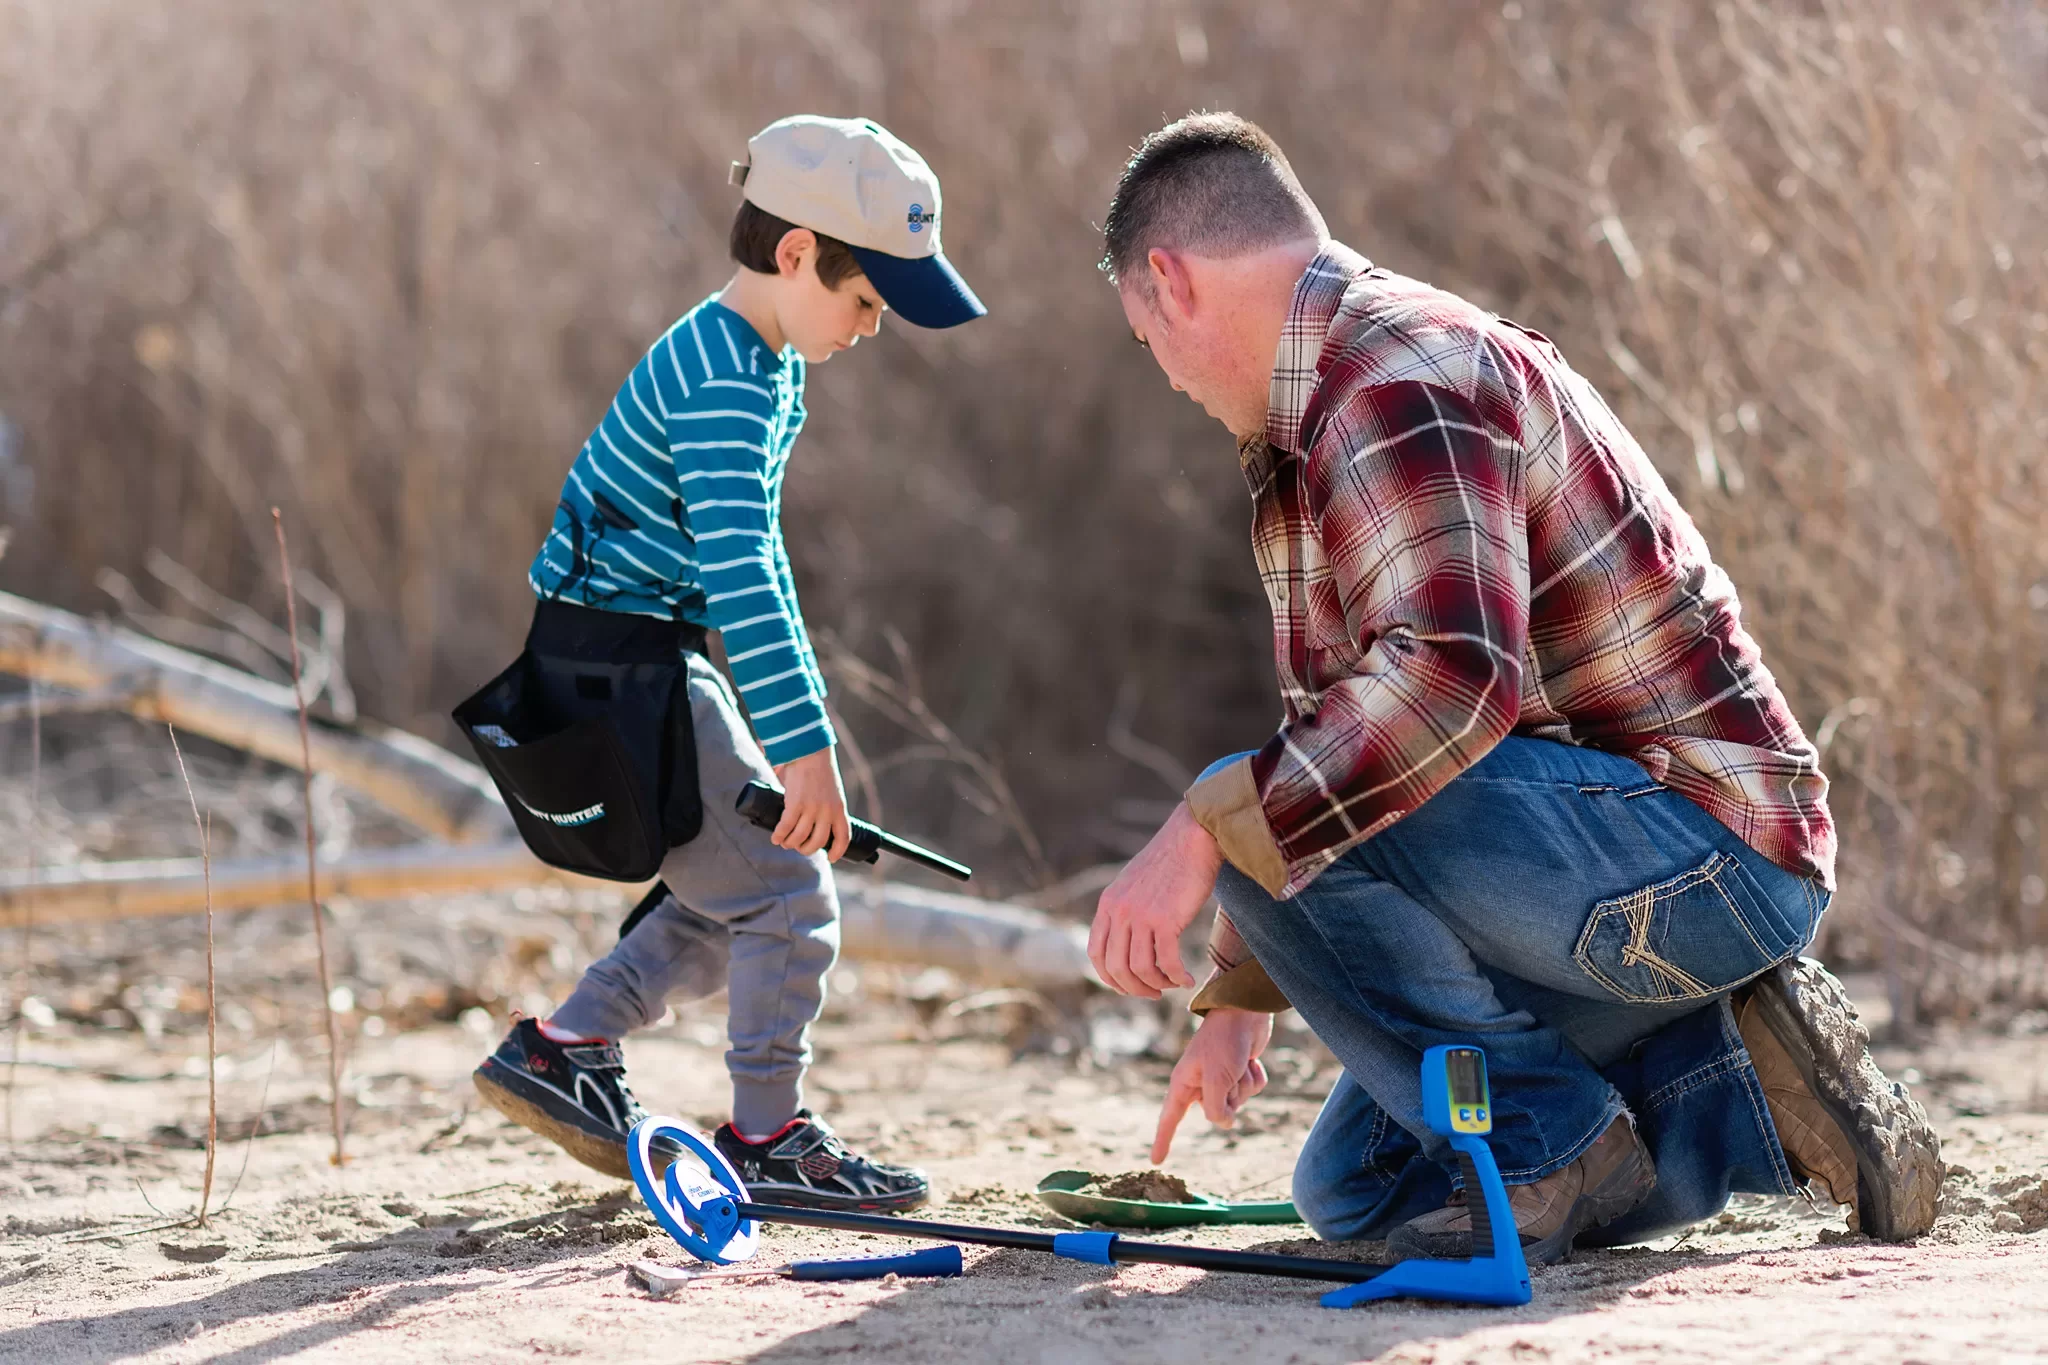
[(383, 265)]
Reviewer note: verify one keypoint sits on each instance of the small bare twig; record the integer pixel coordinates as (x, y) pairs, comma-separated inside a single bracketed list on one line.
[(441, 1135), (901, 700), (1261, 1185), (256, 1124), (240, 634), (239, 617), (1082, 886), (324, 670), (152, 1204), (205, 830), (857, 767), (312, 867), (236, 648), (341, 699), (1125, 743), (28, 904)]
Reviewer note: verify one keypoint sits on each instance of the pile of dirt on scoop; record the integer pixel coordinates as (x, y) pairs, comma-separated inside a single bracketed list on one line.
[(1152, 1187)]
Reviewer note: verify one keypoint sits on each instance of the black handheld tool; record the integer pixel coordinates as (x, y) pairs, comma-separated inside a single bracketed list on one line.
[(763, 806)]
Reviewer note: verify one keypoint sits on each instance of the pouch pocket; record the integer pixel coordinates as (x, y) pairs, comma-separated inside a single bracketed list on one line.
[(577, 802), (1688, 938), (600, 769)]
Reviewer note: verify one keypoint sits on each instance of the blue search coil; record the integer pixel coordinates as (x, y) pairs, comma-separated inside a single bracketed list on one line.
[(693, 1205)]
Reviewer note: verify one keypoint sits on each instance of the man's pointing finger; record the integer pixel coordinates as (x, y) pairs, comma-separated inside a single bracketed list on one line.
[(1179, 1097)]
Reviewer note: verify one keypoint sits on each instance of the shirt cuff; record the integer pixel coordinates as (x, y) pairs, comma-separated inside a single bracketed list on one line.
[(1226, 803), (810, 732), (1244, 987)]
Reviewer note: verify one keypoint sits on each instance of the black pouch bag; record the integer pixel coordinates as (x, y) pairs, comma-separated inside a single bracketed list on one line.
[(589, 738)]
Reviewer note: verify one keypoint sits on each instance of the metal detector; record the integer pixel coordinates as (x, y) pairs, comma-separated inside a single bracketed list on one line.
[(1457, 1104), (710, 1216)]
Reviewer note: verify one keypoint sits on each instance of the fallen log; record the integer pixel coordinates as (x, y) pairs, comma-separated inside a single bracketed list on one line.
[(448, 797), (445, 796), (982, 942)]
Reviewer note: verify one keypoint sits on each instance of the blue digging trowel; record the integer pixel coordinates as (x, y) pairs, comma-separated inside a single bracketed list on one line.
[(1457, 1105)]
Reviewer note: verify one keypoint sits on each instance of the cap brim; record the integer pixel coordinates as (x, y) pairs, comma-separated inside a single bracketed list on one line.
[(927, 292)]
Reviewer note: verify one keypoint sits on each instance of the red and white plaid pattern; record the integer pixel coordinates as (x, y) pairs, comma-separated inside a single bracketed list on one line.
[(1460, 541)]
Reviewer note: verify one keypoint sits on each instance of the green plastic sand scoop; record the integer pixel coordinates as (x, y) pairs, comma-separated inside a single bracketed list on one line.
[(1060, 1192)]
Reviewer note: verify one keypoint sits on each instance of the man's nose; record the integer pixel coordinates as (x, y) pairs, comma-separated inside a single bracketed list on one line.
[(872, 325)]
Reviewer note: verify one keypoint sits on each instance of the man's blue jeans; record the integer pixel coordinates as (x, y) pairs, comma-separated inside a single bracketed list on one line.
[(1581, 923)]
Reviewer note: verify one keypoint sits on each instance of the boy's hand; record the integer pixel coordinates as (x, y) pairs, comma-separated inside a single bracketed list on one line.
[(1220, 1067), (813, 806)]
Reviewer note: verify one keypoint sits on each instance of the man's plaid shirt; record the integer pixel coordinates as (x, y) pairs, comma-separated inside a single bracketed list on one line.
[(1460, 542)]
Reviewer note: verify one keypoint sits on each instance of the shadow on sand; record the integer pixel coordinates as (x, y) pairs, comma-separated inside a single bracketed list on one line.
[(1025, 1308), (413, 1259)]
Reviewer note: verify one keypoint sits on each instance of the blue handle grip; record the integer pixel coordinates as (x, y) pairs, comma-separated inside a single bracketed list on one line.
[(932, 1262)]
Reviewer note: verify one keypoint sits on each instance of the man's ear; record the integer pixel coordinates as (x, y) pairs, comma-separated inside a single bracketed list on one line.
[(797, 246), (1172, 286)]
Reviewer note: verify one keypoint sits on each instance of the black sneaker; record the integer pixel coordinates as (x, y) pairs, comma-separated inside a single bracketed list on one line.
[(572, 1094), (805, 1165)]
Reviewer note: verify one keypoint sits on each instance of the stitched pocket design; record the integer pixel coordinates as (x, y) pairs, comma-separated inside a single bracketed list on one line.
[(1688, 938)]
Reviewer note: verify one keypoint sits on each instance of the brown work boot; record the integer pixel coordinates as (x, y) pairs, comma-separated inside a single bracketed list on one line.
[(1613, 1176), (1843, 1125), (1818, 1151)]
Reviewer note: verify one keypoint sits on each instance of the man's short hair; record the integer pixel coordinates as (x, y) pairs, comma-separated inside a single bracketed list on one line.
[(756, 233), (1211, 184)]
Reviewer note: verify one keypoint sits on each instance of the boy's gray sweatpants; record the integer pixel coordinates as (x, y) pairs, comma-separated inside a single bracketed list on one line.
[(747, 915)]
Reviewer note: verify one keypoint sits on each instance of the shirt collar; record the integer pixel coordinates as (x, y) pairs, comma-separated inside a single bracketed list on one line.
[(1317, 296), (745, 337)]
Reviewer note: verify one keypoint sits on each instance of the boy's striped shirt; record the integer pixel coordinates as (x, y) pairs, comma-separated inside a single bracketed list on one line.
[(674, 509)]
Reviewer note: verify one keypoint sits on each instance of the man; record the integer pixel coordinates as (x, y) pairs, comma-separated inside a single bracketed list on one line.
[(1534, 789)]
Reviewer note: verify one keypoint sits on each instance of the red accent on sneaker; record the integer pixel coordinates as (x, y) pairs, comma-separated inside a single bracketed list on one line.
[(763, 1142), (819, 1165), (562, 1035)]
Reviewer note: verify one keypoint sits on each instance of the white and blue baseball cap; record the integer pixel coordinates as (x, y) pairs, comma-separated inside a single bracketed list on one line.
[(855, 180)]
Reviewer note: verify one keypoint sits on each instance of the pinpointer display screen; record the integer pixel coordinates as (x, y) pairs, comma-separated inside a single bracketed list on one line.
[(1465, 1070)]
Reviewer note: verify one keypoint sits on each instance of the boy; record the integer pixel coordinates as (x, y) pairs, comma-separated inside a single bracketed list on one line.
[(672, 512)]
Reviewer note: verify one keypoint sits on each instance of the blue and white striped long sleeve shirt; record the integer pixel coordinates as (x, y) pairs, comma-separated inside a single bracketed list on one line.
[(674, 509)]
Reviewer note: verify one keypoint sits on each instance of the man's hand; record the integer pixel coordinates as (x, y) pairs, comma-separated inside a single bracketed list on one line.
[(1135, 942), (1220, 1067), (813, 806)]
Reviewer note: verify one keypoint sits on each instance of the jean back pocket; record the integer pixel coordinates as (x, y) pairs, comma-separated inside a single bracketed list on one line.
[(1691, 937)]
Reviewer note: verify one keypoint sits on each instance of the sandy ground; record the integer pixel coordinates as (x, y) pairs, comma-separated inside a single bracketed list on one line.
[(451, 1235)]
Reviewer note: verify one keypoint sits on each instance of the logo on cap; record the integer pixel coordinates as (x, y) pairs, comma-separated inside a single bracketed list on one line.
[(919, 217)]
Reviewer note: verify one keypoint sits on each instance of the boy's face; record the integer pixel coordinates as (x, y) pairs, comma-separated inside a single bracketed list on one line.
[(819, 321)]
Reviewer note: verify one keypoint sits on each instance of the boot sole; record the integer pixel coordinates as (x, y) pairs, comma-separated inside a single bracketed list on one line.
[(1898, 1156), (502, 1090)]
